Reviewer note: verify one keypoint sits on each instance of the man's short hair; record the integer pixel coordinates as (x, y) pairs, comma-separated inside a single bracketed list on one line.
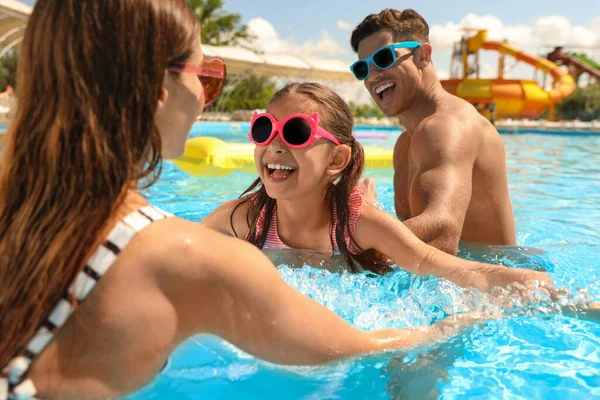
[(407, 25)]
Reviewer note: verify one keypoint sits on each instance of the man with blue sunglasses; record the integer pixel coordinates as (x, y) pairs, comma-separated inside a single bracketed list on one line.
[(450, 180)]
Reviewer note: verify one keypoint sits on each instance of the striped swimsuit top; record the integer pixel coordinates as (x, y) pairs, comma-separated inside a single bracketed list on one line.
[(273, 241), (14, 381)]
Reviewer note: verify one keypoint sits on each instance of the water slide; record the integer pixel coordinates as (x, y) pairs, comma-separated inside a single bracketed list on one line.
[(580, 62), (514, 98), (587, 61)]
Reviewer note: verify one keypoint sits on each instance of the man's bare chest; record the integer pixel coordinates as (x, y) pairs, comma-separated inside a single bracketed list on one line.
[(403, 176)]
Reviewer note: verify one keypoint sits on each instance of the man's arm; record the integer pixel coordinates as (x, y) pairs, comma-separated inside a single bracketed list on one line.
[(380, 231), (443, 154)]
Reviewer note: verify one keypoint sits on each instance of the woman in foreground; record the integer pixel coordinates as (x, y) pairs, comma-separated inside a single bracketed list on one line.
[(96, 286)]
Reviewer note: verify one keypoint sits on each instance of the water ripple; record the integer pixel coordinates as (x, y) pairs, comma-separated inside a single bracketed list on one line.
[(534, 352)]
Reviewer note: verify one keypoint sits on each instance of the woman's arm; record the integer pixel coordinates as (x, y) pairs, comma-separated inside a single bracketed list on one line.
[(227, 287), (381, 231)]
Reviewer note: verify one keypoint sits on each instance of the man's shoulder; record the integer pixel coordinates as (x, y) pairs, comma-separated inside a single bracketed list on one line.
[(447, 135), (441, 130), (449, 126)]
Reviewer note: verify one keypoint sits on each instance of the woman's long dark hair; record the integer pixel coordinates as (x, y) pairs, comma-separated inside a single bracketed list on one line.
[(336, 117), (89, 80)]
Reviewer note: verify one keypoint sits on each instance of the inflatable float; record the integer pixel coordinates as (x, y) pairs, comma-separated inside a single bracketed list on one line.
[(209, 156)]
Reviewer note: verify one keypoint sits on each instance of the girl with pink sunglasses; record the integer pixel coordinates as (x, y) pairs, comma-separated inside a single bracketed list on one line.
[(308, 196)]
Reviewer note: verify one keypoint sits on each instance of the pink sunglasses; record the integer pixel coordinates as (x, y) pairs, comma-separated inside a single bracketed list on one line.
[(296, 131), (212, 75)]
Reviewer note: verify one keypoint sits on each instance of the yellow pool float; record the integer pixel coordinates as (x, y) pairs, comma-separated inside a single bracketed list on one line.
[(209, 156)]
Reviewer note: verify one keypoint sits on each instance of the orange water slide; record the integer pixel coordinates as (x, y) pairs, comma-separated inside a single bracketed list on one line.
[(576, 61), (516, 98), (563, 82)]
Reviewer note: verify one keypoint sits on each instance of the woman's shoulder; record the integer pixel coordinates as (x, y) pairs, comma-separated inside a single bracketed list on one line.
[(179, 248)]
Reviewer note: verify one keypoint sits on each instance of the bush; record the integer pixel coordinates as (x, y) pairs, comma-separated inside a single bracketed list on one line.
[(8, 70), (582, 104), (366, 110), (253, 92)]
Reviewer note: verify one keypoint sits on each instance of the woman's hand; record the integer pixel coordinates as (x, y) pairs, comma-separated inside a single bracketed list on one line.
[(504, 276)]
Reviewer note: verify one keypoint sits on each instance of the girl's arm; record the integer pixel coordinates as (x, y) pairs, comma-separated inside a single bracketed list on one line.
[(227, 287), (379, 230)]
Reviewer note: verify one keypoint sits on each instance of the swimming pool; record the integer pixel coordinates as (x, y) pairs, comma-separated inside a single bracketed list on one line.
[(555, 187)]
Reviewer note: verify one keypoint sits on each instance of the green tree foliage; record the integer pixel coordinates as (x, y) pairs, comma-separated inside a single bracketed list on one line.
[(219, 28), (253, 92), (366, 110), (582, 104), (8, 69)]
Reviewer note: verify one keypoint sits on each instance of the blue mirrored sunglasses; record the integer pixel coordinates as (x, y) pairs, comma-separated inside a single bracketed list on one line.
[(382, 58)]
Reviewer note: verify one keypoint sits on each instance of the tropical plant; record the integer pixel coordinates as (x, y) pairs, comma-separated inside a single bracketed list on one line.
[(219, 28), (582, 104), (251, 93)]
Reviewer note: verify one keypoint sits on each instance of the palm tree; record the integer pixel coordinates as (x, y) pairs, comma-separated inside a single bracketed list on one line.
[(219, 28)]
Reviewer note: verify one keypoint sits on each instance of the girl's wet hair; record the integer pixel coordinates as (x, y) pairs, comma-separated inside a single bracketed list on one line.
[(336, 117), (89, 79)]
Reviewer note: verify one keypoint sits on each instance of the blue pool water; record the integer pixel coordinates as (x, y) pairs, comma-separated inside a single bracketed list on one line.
[(538, 354)]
